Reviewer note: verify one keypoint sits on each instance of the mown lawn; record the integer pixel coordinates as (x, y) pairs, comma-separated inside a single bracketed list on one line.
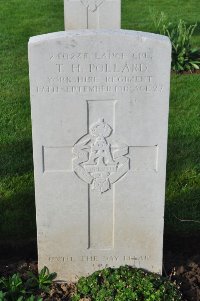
[(20, 19)]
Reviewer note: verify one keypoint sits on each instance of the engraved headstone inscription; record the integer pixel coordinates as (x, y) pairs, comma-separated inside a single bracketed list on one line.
[(99, 102), (92, 14)]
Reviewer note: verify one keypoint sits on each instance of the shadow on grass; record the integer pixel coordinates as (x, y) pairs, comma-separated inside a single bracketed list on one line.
[(17, 200), (183, 153), (183, 189), (182, 213), (16, 158), (18, 215)]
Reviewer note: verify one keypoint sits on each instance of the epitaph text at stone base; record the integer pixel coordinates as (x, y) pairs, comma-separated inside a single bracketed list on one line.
[(99, 102)]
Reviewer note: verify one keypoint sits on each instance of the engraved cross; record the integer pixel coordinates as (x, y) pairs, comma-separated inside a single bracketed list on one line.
[(100, 162)]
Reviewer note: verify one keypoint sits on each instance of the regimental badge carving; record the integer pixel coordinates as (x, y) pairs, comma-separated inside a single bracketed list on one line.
[(92, 5), (96, 161)]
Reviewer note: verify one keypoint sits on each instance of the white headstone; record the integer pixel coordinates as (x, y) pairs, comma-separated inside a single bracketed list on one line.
[(92, 14), (99, 103)]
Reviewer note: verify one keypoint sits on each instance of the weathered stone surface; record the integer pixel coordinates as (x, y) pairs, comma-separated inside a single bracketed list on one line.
[(99, 102), (92, 14)]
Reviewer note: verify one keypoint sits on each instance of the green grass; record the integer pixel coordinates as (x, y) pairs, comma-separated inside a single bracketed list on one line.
[(183, 168), (21, 19), (136, 14)]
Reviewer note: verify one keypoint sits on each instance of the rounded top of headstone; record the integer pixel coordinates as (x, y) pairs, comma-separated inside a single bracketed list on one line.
[(100, 129)]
